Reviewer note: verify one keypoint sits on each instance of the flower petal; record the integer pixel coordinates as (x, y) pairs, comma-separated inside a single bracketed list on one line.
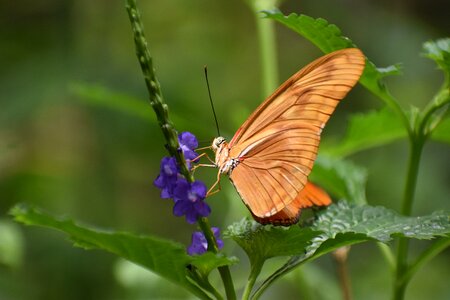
[(181, 189), (188, 139), (169, 166), (191, 215), (159, 182), (202, 208), (199, 188), (198, 244), (180, 208)]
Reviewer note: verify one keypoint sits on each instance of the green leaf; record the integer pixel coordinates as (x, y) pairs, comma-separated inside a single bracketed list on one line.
[(209, 261), (339, 225), (344, 224), (439, 51), (380, 223), (165, 258), (101, 96), (369, 130), (341, 178), (356, 222), (263, 242), (328, 38)]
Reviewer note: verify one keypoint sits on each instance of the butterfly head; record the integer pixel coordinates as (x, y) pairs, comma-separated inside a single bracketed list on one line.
[(218, 143), (222, 161)]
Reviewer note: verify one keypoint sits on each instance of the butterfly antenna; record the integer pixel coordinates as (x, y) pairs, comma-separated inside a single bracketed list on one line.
[(210, 100)]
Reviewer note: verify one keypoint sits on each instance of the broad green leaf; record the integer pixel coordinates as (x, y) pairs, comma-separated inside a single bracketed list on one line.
[(165, 258), (356, 222), (98, 95), (328, 38), (263, 242), (209, 261), (368, 130), (341, 178), (380, 223), (339, 225)]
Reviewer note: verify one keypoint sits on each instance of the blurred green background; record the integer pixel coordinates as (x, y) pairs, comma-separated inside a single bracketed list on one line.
[(62, 151)]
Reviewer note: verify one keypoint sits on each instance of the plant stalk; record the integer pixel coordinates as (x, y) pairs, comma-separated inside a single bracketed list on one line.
[(401, 282), (256, 267), (267, 45), (437, 247), (340, 256), (224, 271), (162, 113)]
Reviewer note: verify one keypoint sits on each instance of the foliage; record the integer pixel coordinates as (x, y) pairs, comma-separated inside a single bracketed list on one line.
[(345, 223), (165, 258)]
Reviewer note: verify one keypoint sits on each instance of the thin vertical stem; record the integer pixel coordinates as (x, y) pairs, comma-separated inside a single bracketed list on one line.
[(256, 267), (224, 271), (267, 45), (340, 256), (269, 72), (416, 146), (162, 113)]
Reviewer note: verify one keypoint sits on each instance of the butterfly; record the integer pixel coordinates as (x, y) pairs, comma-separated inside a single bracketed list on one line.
[(269, 158)]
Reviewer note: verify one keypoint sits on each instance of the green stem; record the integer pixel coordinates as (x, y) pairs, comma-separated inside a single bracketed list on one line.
[(439, 101), (154, 89), (162, 113), (266, 38), (267, 45), (416, 146), (255, 270), (432, 251), (340, 256), (223, 270), (227, 282), (200, 280)]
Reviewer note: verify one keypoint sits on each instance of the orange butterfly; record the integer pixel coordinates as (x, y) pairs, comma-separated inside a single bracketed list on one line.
[(271, 155)]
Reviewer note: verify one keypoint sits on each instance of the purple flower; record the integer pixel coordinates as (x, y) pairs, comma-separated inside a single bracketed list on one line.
[(188, 143), (189, 200), (199, 245), (167, 178)]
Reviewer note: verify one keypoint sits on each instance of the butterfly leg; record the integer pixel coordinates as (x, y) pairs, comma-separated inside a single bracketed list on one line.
[(217, 183), (201, 165), (203, 148), (203, 154), (212, 165)]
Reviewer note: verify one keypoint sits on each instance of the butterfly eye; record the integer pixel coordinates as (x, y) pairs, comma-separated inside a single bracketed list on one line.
[(217, 142)]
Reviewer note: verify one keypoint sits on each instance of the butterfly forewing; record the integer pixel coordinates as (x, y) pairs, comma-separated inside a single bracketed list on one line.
[(277, 145)]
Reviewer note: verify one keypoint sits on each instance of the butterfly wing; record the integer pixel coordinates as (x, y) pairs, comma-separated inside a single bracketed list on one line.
[(278, 143), (309, 196)]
